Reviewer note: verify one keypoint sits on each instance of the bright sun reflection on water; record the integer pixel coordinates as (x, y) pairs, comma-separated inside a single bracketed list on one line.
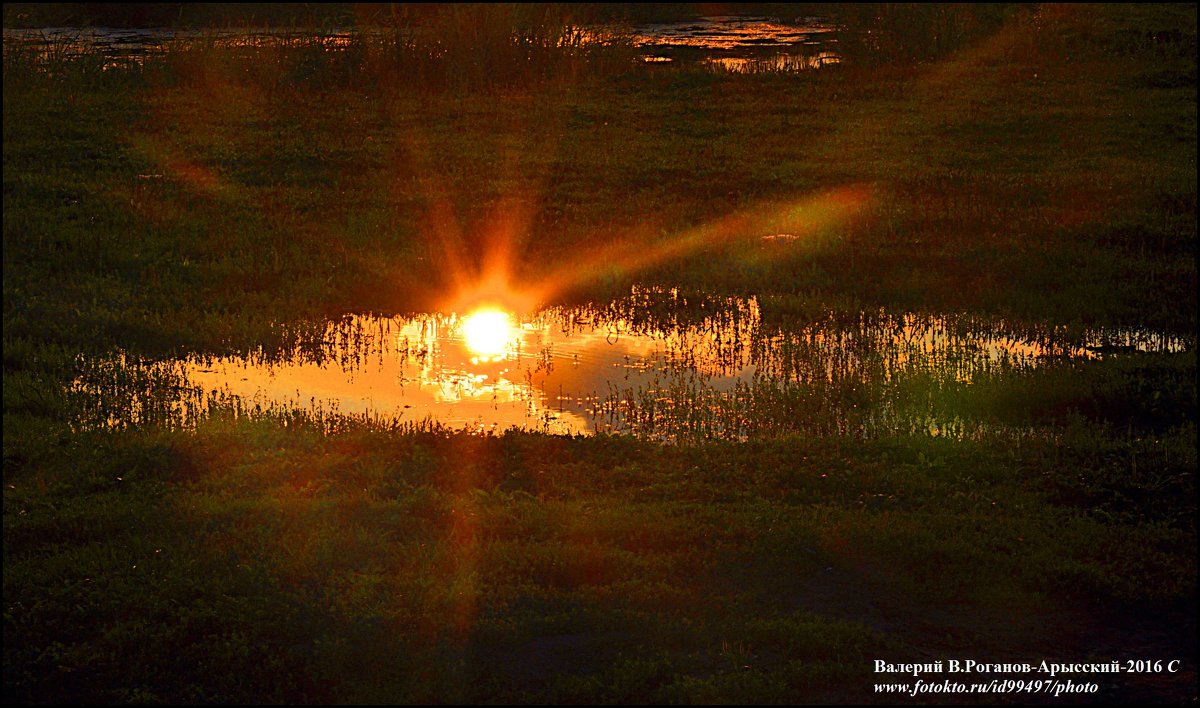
[(488, 333)]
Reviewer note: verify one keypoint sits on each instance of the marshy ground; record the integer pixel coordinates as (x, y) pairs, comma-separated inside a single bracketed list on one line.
[(1038, 178)]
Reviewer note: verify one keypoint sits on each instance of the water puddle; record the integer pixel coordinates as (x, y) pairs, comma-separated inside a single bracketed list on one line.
[(122, 47), (741, 44), (734, 32), (655, 363)]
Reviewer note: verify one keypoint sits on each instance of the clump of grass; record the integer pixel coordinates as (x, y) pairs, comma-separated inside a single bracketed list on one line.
[(899, 32), (57, 60), (406, 565)]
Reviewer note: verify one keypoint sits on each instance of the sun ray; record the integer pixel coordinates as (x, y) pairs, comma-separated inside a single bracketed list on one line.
[(487, 272), (444, 238), (801, 219)]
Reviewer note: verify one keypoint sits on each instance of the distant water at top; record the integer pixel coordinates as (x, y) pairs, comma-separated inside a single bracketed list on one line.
[(733, 42)]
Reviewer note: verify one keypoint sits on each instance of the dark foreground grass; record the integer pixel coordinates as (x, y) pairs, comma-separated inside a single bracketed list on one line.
[(251, 561), (1045, 175)]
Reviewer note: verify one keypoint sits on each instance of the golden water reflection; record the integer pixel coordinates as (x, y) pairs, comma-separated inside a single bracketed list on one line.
[(775, 62), (481, 372), (645, 363), (732, 32), (742, 44), (739, 43)]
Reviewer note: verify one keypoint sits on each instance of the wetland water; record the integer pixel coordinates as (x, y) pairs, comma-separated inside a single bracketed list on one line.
[(654, 363), (741, 43), (737, 43)]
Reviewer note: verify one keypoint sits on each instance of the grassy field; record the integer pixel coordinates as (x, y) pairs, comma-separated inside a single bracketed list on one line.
[(1043, 174)]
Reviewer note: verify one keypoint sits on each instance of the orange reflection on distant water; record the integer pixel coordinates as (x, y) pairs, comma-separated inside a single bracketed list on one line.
[(732, 32), (775, 62)]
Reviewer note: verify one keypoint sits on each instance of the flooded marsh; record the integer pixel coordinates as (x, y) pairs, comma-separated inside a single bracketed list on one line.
[(653, 364)]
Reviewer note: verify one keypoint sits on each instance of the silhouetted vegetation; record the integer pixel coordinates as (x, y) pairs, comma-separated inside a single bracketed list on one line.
[(907, 32)]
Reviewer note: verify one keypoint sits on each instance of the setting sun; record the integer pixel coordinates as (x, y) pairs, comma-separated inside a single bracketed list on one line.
[(488, 332)]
